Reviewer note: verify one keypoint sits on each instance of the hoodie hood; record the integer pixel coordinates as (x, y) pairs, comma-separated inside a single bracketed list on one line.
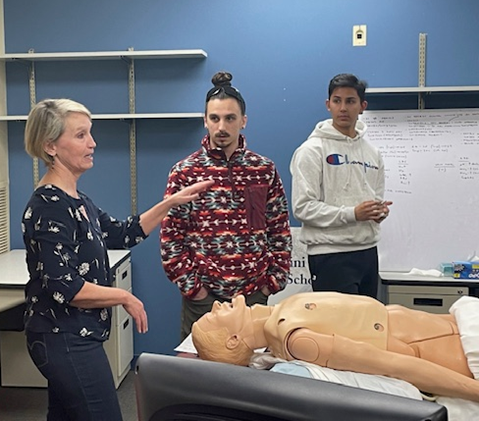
[(325, 129)]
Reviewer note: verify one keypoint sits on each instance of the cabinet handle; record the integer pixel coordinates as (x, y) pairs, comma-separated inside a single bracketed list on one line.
[(436, 302)]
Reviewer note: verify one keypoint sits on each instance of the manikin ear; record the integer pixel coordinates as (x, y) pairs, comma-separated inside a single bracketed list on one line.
[(232, 342)]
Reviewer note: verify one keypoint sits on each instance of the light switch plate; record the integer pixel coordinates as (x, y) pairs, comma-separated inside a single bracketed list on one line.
[(359, 35)]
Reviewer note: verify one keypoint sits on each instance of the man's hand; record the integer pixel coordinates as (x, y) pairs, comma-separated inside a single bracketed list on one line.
[(265, 290), (202, 294), (372, 210), (385, 212)]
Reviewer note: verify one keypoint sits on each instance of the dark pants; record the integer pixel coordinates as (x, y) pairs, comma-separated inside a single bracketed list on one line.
[(192, 310), (80, 383), (354, 272)]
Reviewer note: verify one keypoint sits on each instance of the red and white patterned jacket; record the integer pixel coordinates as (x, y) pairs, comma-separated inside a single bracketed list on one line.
[(235, 238)]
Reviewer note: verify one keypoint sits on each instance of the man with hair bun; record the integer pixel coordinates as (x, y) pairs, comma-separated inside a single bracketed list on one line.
[(236, 240)]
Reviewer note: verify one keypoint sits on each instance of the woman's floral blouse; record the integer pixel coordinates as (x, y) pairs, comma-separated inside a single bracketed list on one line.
[(66, 242)]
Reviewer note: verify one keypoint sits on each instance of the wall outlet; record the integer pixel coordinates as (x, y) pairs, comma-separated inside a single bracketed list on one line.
[(359, 35)]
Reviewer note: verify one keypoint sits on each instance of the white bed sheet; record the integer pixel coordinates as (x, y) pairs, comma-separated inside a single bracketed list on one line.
[(458, 409)]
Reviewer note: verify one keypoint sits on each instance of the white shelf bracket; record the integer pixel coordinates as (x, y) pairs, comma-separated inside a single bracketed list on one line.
[(33, 100), (132, 135), (422, 68)]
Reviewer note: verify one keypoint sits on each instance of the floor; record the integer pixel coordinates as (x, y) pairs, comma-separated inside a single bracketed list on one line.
[(30, 404)]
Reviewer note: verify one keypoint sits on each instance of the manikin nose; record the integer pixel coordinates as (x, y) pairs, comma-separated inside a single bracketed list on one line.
[(216, 306)]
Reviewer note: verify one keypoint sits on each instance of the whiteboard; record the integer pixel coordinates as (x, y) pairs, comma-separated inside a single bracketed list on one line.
[(431, 162)]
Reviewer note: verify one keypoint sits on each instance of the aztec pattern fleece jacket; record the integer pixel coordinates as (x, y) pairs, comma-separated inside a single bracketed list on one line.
[(235, 238)]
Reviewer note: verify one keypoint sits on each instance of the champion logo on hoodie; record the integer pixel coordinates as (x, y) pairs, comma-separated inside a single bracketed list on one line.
[(338, 159)]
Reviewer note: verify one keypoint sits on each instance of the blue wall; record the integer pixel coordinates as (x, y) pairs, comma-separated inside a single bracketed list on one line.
[(281, 53)]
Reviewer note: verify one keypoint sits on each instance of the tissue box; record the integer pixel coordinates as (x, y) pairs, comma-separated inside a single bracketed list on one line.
[(466, 270)]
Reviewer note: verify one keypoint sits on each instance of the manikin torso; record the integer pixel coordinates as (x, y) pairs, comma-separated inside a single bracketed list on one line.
[(394, 328)]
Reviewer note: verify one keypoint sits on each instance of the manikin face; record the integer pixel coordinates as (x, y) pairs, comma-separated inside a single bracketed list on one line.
[(224, 122), (234, 316), (73, 150), (345, 107)]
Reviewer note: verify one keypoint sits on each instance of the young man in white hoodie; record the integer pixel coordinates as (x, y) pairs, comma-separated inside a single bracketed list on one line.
[(337, 194)]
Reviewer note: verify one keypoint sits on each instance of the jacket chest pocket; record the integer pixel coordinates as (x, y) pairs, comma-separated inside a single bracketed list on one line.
[(255, 202)]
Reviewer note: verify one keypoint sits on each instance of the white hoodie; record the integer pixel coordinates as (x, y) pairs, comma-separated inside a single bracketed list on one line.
[(332, 174)]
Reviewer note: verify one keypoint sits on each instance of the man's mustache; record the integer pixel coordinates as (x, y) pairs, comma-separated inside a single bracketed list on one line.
[(222, 134)]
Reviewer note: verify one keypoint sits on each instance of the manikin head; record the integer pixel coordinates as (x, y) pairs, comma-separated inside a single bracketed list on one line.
[(226, 333)]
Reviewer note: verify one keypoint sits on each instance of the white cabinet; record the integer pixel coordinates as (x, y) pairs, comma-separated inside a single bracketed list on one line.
[(119, 348), (426, 298), (426, 293), (17, 368), (16, 365)]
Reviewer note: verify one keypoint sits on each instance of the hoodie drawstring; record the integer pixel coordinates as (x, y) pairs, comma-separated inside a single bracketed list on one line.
[(364, 163)]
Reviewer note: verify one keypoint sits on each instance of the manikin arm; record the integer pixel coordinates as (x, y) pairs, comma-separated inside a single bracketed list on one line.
[(340, 353)]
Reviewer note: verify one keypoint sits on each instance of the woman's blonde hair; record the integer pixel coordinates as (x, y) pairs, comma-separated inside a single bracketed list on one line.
[(46, 123), (211, 345)]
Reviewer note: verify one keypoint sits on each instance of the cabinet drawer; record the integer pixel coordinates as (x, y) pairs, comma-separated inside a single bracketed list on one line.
[(428, 290), (125, 344), (118, 315), (430, 303), (122, 279), (122, 276)]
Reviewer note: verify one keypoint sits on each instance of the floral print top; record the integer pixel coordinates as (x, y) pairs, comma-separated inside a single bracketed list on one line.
[(66, 242)]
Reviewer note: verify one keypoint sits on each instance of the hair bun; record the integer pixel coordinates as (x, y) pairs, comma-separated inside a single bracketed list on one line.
[(222, 79)]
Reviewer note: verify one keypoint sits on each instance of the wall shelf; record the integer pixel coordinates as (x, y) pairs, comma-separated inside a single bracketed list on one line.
[(105, 55), (128, 56), (422, 89), (126, 116), (109, 55)]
